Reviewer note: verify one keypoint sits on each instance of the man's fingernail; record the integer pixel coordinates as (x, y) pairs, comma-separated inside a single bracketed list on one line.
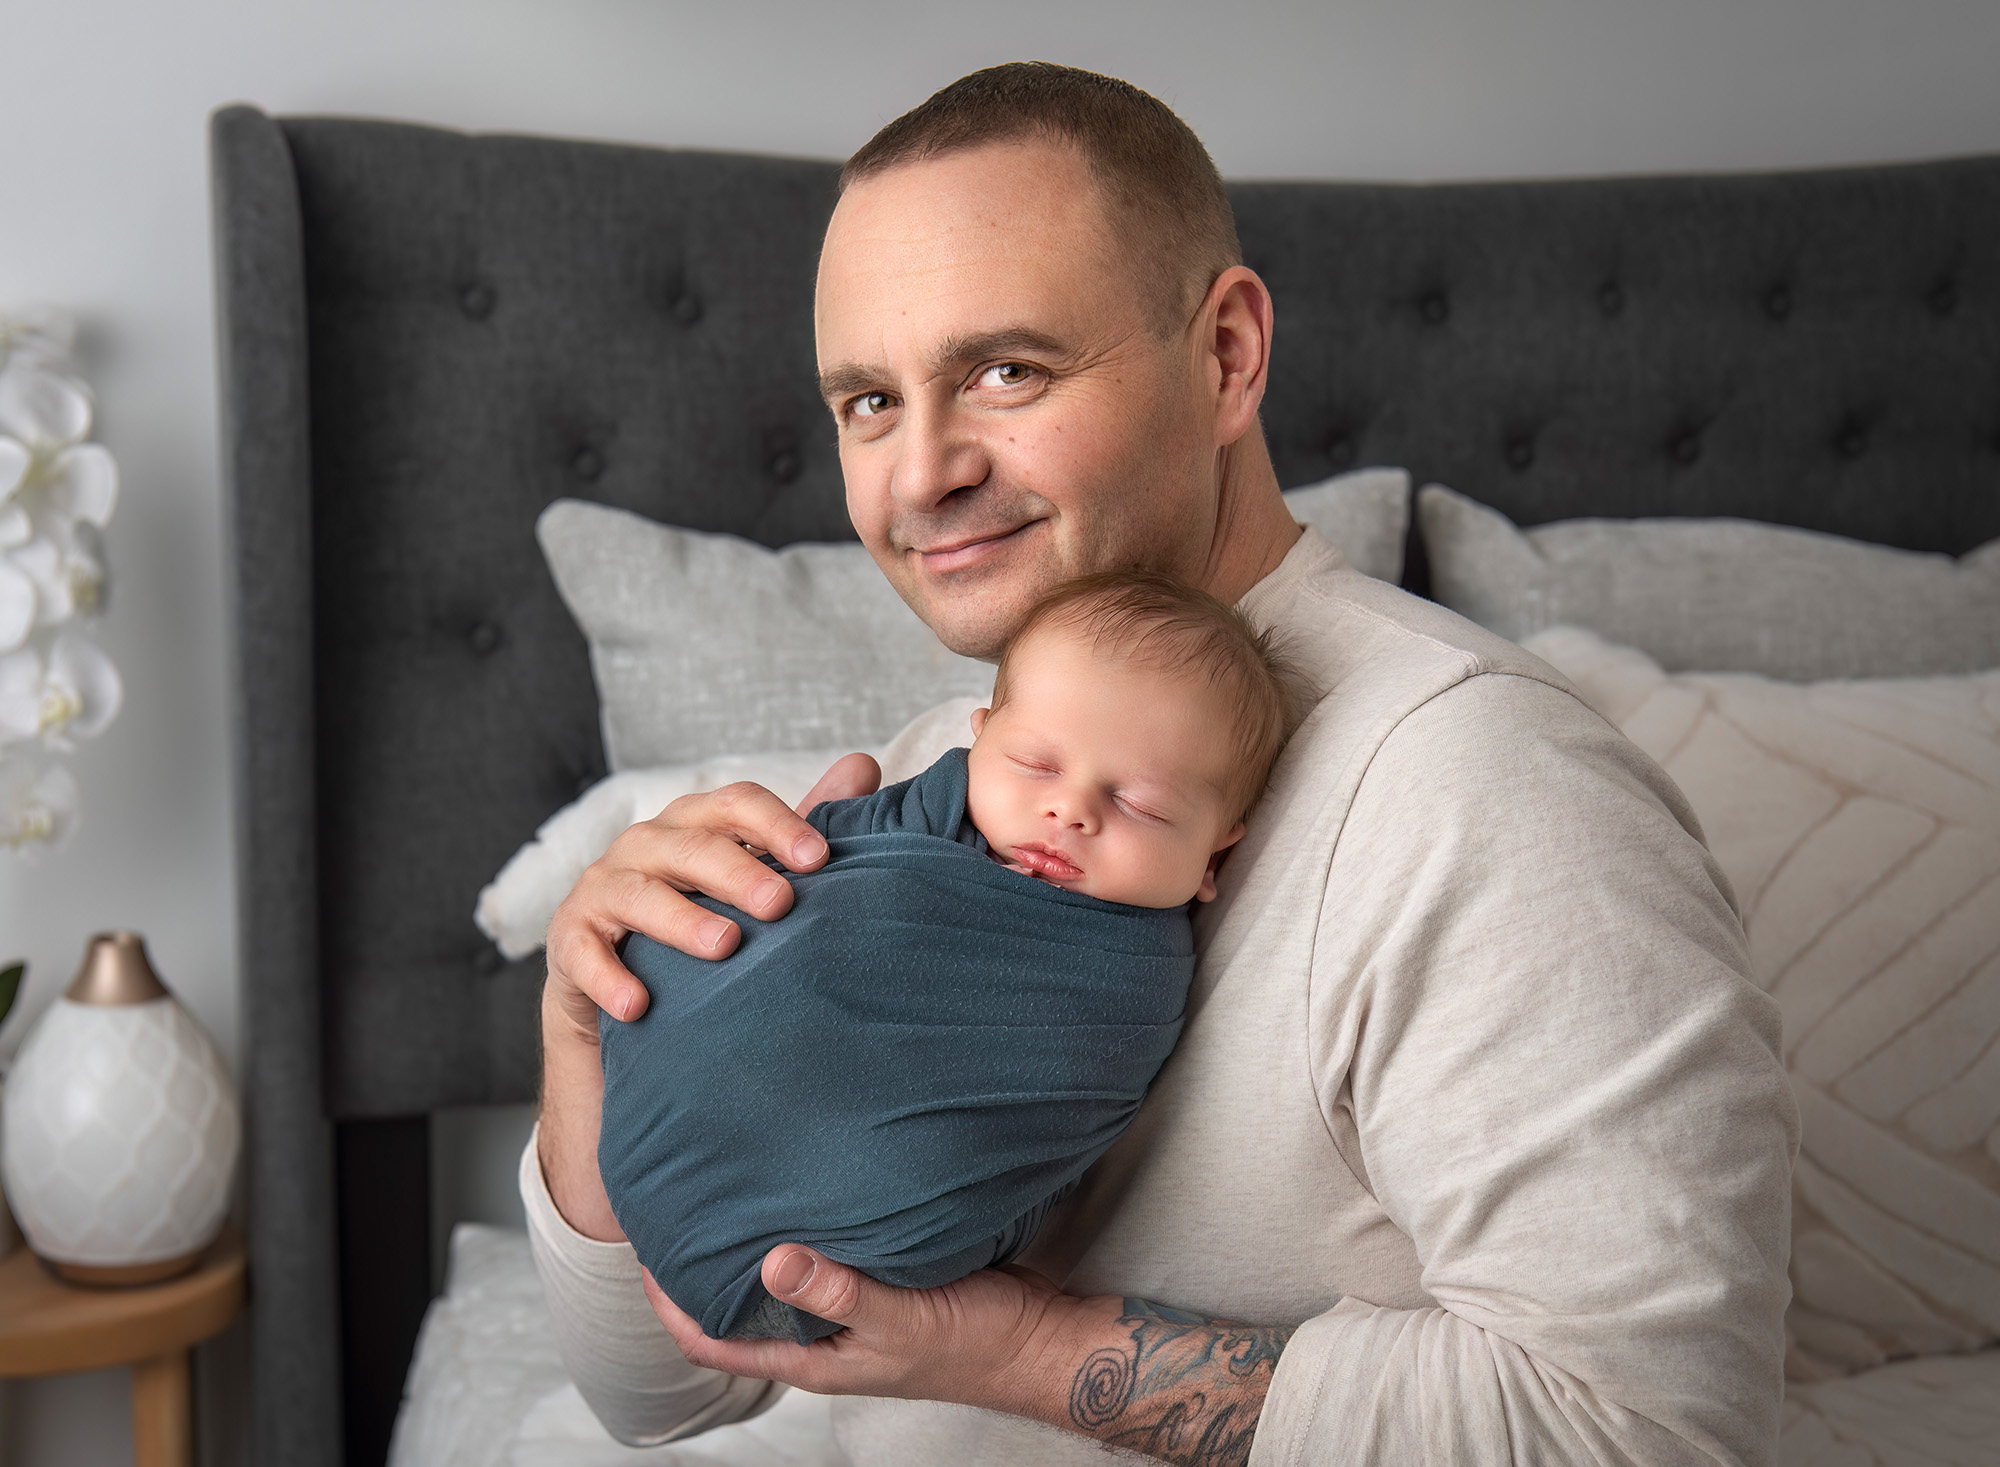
[(712, 932), (794, 1274), (768, 891), (808, 849)]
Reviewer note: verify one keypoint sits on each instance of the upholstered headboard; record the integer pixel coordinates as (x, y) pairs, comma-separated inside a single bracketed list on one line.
[(426, 337)]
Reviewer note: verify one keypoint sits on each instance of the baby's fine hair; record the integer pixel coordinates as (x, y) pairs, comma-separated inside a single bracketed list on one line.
[(1160, 623)]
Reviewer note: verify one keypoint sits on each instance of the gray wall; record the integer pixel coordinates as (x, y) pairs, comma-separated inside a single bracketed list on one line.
[(103, 210)]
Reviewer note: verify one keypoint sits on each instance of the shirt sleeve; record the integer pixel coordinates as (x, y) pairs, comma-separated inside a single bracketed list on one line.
[(625, 1365), (1531, 1014)]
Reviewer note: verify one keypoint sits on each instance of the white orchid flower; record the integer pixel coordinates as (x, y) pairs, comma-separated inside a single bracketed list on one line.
[(16, 458), (82, 484), (39, 334), (41, 407), (73, 693), (38, 803)]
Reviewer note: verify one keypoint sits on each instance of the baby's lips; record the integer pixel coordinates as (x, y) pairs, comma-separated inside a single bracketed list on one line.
[(1047, 863)]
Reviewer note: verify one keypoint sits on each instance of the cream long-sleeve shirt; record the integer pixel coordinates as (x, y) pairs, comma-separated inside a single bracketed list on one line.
[(1474, 1091)]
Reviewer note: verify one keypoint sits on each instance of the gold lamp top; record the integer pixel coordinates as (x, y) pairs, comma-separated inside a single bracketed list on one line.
[(115, 971)]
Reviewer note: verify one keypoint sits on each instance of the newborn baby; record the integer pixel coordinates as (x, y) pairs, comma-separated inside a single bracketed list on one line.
[(966, 1003)]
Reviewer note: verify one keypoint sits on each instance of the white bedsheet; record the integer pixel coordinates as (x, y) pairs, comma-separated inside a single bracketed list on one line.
[(487, 1389)]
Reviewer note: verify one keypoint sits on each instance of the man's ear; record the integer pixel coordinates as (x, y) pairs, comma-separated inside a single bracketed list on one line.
[(1206, 891), (979, 720), (1236, 320)]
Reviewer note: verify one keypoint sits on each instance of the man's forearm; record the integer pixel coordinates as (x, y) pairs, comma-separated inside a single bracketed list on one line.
[(1172, 1385), (572, 1114)]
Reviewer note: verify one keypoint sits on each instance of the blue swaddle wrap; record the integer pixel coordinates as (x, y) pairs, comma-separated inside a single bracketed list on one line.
[(903, 1072)]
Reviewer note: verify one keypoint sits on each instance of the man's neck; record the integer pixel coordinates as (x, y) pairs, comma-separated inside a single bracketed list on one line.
[(1254, 531)]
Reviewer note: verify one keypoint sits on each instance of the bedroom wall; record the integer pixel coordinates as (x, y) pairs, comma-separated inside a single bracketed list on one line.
[(103, 210)]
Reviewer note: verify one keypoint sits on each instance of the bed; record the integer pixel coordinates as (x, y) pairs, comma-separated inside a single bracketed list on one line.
[(427, 337)]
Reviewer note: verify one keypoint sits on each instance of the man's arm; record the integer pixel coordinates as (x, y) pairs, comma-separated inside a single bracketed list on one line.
[(1177, 1387)]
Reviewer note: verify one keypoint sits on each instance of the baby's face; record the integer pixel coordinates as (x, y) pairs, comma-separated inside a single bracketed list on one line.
[(1105, 778)]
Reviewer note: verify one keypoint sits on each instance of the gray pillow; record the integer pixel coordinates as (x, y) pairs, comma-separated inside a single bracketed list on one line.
[(705, 645), (1719, 595)]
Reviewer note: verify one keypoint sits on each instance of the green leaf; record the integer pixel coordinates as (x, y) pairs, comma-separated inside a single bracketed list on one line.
[(10, 987)]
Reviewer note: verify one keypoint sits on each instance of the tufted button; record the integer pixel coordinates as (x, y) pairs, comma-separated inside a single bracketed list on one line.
[(686, 308), (1944, 297), (1778, 302), (1684, 447), (483, 638), (1520, 452), (784, 466), (477, 300), (1610, 298), (1340, 450), (1851, 441), (587, 464), (1434, 306)]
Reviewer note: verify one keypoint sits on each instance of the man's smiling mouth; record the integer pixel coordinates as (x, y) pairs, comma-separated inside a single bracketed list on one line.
[(963, 554)]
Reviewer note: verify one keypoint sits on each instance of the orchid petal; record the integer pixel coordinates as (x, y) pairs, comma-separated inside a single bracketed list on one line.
[(38, 805), (15, 457), (83, 483), (17, 607), (41, 561), (39, 334), (15, 527), (41, 407), (20, 695), (80, 671)]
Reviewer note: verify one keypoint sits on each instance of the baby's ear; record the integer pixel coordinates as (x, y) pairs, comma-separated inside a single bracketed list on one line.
[(1206, 891), (979, 720)]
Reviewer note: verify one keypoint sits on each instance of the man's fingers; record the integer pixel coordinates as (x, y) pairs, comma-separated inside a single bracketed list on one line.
[(588, 976), (850, 775), (760, 1359), (635, 890), (804, 1279), (752, 815)]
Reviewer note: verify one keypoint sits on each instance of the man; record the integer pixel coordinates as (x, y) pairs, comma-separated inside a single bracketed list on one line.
[(1476, 1146)]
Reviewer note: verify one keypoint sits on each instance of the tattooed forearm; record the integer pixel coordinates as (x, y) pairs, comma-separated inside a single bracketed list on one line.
[(1185, 1389)]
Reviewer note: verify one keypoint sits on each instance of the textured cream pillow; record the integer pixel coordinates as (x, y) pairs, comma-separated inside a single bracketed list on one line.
[(1719, 595), (1859, 823), (706, 645)]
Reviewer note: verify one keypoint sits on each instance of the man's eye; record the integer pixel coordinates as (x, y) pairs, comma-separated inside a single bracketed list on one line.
[(1006, 374), (870, 403)]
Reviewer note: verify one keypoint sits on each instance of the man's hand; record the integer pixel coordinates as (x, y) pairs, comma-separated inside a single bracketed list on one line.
[(1174, 1386), (696, 844)]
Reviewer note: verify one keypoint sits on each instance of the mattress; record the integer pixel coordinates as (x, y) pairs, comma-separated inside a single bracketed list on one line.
[(487, 1389)]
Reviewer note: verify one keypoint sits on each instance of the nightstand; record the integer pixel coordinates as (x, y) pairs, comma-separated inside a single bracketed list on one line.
[(48, 1327)]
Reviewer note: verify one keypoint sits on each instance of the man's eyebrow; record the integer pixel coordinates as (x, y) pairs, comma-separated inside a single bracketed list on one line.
[(848, 379)]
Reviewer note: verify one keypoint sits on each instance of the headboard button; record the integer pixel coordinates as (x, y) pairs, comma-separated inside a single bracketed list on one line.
[(1520, 452), (1852, 441), (1610, 298), (477, 300), (1435, 307), (1944, 298), (1684, 447), (484, 638), (1340, 450), (1778, 302), (587, 464), (784, 466), (686, 308)]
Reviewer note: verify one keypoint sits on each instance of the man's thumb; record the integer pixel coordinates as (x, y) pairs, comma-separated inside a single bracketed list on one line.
[(798, 1276)]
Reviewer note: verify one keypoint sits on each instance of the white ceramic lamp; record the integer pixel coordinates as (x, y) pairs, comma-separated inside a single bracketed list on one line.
[(121, 1127)]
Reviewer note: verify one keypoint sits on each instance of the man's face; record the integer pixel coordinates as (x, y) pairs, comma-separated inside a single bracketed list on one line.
[(1009, 414)]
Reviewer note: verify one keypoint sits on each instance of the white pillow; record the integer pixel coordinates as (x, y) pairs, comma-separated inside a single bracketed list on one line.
[(709, 644), (1718, 594), (1859, 823), (515, 907)]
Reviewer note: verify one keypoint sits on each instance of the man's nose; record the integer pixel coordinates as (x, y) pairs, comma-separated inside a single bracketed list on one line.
[(938, 456)]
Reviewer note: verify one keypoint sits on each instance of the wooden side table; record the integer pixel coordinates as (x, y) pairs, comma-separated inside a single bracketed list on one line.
[(48, 1327)]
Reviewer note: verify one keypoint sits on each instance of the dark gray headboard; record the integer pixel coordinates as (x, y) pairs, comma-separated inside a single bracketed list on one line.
[(426, 337)]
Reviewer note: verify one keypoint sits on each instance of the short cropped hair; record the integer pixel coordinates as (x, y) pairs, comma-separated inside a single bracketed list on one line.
[(1165, 625), (1166, 200)]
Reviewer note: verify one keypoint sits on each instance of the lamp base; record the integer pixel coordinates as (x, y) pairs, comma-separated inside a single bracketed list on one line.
[(123, 1275)]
